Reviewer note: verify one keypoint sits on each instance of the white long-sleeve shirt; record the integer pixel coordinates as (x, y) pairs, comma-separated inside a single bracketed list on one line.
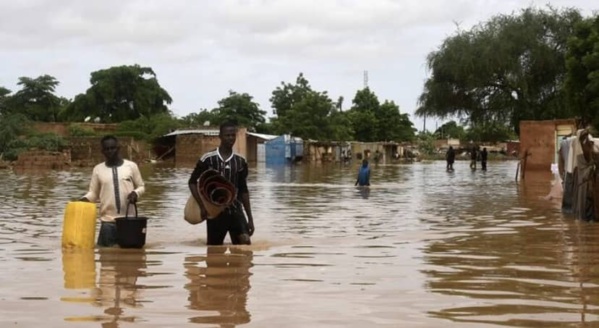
[(111, 186)]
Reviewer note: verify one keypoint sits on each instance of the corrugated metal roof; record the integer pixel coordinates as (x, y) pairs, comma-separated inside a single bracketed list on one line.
[(262, 136), (205, 132)]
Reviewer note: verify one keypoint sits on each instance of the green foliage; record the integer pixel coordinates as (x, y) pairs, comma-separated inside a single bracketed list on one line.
[(508, 69), (148, 128), (450, 130), (76, 130), (13, 126), (241, 108), (36, 99), (196, 120), (582, 81), (490, 132), (119, 94), (426, 143), (373, 121), (47, 141), (306, 113)]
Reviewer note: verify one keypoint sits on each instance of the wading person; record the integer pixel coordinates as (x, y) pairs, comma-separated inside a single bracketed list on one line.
[(363, 175), (483, 159), (450, 158), (473, 154), (235, 169), (114, 183)]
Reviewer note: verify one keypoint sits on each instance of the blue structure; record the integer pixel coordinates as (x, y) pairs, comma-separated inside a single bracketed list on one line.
[(284, 149)]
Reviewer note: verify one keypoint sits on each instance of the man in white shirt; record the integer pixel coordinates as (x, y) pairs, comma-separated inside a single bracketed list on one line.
[(115, 183)]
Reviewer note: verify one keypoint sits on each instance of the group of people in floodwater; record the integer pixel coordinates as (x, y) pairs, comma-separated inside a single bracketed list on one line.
[(475, 155), (578, 157)]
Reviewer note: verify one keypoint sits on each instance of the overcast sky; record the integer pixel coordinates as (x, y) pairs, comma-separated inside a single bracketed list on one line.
[(200, 49)]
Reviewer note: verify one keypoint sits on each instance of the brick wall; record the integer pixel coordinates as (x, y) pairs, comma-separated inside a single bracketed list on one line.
[(86, 151), (63, 128), (538, 138), (42, 159), (190, 147)]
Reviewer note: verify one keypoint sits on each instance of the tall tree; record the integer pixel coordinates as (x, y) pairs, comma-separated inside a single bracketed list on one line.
[(307, 113), (36, 99), (364, 115), (199, 119), (373, 121), (4, 96), (450, 130), (508, 69), (582, 82), (242, 108), (121, 93)]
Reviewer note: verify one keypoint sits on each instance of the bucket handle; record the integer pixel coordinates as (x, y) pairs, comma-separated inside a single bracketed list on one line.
[(127, 211)]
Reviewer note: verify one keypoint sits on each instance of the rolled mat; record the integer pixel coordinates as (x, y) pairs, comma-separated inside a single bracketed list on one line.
[(216, 193)]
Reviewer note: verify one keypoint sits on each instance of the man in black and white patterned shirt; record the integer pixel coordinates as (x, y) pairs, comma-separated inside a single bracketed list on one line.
[(233, 167)]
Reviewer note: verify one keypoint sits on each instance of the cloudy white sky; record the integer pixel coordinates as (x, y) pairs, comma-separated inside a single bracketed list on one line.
[(200, 49)]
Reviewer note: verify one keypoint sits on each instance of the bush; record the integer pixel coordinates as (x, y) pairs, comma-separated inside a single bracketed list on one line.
[(76, 130), (47, 141)]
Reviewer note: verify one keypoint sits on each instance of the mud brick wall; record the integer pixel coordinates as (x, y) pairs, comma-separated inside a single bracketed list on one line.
[(86, 151), (62, 129), (539, 139), (190, 147), (43, 160)]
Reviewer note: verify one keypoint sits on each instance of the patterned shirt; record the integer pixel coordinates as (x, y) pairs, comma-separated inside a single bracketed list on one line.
[(234, 169)]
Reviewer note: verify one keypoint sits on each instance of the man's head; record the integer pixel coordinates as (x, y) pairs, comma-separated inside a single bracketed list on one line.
[(110, 148), (228, 134)]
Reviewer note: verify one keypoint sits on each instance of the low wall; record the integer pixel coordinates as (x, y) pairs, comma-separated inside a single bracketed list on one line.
[(62, 129), (87, 151), (42, 159)]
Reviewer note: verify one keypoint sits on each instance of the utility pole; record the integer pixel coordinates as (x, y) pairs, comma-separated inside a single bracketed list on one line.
[(365, 79)]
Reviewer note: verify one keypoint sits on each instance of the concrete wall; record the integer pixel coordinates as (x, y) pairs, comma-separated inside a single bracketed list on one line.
[(538, 140)]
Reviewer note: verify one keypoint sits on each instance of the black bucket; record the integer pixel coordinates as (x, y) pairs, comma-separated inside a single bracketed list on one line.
[(131, 231)]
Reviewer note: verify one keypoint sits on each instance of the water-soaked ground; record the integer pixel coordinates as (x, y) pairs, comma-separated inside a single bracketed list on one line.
[(421, 248)]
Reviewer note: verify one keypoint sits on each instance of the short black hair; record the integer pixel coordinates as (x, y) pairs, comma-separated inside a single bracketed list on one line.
[(108, 137), (227, 124)]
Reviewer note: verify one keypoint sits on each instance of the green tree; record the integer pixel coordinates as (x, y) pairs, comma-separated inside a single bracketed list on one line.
[(120, 93), (13, 126), (199, 119), (149, 128), (373, 121), (582, 81), (450, 130), (508, 69), (490, 132), (240, 107), (36, 99), (306, 113), (363, 115), (4, 96)]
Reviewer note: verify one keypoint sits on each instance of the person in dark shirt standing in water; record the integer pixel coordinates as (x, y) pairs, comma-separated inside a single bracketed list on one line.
[(233, 167), (450, 158), (483, 158)]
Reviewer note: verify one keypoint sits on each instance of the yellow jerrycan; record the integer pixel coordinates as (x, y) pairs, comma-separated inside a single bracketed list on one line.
[(79, 225)]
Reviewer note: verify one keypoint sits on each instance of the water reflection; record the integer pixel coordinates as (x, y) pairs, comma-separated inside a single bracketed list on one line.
[(117, 287), (79, 268), (219, 285), (115, 290)]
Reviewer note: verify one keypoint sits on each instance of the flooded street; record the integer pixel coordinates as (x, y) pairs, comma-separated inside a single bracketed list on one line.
[(422, 248)]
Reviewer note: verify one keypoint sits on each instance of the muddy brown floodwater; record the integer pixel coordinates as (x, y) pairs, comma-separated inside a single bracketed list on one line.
[(421, 248)]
